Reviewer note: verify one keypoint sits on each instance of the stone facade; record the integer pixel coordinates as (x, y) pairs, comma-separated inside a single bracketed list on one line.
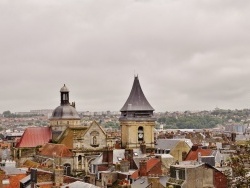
[(94, 138), (192, 175), (180, 148), (62, 124), (129, 131), (87, 147)]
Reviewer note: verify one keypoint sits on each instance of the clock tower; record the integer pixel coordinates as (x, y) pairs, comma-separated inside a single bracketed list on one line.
[(136, 120)]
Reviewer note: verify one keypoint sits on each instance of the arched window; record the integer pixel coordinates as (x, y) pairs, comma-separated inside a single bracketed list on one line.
[(94, 140), (79, 159)]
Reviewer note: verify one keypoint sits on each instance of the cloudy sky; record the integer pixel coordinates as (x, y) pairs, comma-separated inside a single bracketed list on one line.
[(189, 55)]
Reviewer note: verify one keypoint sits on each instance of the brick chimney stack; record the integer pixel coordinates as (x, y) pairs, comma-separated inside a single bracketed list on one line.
[(143, 168), (58, 176), (154, 180)]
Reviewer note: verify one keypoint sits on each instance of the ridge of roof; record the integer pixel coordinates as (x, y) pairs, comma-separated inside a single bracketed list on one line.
[(136, 100)]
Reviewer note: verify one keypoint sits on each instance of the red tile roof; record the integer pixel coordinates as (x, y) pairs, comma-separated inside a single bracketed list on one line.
[(15, 181), (193, 154), (151, 163), (60, 150), (135, 175), (35, 136)]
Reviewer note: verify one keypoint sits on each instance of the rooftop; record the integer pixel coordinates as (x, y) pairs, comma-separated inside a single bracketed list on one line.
[(137, 100)]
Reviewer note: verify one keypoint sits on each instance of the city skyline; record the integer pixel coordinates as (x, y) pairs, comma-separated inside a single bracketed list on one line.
[(189, 55)]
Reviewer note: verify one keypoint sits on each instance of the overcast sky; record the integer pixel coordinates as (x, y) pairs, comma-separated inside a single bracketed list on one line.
[(189, 55)]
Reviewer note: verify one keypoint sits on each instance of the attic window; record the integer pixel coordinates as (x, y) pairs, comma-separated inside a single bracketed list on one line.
[(135, 154), (119, 158)]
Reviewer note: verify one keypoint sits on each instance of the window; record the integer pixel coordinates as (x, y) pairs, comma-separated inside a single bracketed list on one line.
[(79, 159), (94, 140)]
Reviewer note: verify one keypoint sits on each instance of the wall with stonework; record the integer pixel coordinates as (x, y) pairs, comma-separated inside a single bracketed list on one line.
[(180, 147), (130, 133), (194, 177), (61, 125), (208, 177), (100, 137)]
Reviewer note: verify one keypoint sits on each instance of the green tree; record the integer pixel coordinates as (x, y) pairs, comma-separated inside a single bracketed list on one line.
[(7, 113)]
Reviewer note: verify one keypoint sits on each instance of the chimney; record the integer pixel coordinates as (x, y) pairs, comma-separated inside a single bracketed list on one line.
[(58, 176), (107, 155), (194, 147), (129, 154), (124, 165), (143, 148), (143, 168), (154, 181)]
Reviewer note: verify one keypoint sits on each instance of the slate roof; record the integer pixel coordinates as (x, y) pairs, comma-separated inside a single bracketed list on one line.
[(143, 182), (64, 89), (35, 136), (60, 150), (65, 112), (118, 153), (140, 183), (137, 100)]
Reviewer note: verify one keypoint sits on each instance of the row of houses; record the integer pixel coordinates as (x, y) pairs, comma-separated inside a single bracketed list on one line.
[(67, 152)]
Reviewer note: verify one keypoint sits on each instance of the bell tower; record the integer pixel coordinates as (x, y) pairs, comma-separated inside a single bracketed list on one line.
[(136, 120)]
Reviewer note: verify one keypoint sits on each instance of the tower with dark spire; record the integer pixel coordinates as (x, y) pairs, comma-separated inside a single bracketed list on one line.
[(136, 120)]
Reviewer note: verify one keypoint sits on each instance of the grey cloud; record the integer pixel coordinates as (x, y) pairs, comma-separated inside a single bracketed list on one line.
[(188, 54)]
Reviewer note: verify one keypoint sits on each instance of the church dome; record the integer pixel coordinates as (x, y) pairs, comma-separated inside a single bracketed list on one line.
[(65, 112), (64, 89)]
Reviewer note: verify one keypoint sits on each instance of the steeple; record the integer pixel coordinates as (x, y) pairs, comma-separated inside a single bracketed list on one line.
[(137, 120), (136, 103)]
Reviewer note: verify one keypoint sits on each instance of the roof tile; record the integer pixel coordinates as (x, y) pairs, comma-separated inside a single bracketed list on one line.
[(35, 136)]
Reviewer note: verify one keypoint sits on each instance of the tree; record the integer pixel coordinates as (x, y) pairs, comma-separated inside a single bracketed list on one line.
[(7, 113)]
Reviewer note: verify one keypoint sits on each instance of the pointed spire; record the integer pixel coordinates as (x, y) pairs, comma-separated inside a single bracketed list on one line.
[(136, 100)]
